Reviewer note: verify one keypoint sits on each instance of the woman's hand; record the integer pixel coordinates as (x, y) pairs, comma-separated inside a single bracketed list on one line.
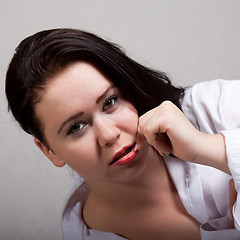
[(168, 130)]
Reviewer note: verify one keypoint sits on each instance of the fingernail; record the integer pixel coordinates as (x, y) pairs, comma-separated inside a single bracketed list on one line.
[(135, 148)]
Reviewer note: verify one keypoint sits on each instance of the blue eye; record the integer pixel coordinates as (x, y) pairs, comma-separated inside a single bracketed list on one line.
[(76, 128), (109, 103)]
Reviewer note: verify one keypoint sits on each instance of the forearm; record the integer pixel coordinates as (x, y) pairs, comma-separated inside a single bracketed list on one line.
[(212, 152), (168, 130)]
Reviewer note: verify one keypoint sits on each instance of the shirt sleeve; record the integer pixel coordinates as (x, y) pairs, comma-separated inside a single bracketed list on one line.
[(213, 107), (232, 141)]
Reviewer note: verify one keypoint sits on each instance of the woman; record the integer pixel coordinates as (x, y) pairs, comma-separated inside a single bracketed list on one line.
[(124, 128)]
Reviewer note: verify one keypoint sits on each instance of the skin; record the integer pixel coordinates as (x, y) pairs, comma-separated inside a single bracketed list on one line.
[(108, 123), (183, 139), (103, 134)]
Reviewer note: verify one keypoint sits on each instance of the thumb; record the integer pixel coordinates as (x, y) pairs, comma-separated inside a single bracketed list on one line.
[(162, 143)]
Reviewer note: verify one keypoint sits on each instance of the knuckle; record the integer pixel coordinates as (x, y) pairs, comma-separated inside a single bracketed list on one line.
[(145, 129), (167, 105)]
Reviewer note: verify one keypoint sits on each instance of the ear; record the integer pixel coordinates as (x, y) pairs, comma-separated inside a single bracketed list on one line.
[(49, 154)]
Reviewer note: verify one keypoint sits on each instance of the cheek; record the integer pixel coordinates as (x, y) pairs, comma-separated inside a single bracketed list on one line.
[(133, 109), (130, 118), (79, 154), (134, 115)]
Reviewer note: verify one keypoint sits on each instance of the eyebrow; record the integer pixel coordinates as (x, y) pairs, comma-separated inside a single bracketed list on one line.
[(70, 119), (104, 93), (75, 116)]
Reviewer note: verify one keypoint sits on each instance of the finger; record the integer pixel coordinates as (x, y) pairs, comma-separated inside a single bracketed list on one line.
[(140, 138), (164, 139), (151, 126), (162, 144)]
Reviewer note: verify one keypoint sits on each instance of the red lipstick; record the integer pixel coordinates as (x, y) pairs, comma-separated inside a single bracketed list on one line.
[(124, 156)]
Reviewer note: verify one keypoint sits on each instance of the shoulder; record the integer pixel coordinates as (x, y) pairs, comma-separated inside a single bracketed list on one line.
[(72, 222), (211, 89), (211, 105)]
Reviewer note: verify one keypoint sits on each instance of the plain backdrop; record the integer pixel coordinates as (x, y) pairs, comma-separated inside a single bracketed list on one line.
[(191, 40)]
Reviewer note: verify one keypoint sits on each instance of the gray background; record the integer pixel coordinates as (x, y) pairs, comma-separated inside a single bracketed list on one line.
[(191, 40)]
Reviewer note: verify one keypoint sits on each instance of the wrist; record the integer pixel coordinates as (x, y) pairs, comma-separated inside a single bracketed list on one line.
[(212, 152)]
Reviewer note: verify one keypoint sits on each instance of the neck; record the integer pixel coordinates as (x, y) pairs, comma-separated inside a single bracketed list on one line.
[(153, 185)]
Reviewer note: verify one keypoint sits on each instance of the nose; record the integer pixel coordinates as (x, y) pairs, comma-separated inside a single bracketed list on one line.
[(106, 131)]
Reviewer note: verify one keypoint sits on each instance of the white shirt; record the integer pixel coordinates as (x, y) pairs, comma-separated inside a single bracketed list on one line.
[(212, 107)]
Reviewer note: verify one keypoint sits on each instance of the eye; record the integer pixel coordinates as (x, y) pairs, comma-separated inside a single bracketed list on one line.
[(76, 128), (109, 103)]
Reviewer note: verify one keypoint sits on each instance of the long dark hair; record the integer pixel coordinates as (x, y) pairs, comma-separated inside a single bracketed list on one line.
[(40, 56)]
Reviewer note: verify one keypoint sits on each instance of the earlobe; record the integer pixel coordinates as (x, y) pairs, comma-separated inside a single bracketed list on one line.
[(49, 154)]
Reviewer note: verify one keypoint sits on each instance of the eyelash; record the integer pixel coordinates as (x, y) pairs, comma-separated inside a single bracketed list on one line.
[(75, 125), (110, 99), (105, 108)]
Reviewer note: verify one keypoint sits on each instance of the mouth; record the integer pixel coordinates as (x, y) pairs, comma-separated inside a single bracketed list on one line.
[(124, 156)]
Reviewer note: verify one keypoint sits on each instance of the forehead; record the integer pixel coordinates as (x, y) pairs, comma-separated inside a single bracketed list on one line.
[(82, 75), (76, 87)]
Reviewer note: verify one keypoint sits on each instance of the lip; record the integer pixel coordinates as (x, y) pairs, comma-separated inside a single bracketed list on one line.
[(125, 159)]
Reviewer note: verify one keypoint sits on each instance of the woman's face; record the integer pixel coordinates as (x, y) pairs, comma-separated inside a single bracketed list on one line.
[(89, 126)]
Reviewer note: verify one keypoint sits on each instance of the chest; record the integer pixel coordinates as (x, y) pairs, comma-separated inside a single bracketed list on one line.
[(150, 223)]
